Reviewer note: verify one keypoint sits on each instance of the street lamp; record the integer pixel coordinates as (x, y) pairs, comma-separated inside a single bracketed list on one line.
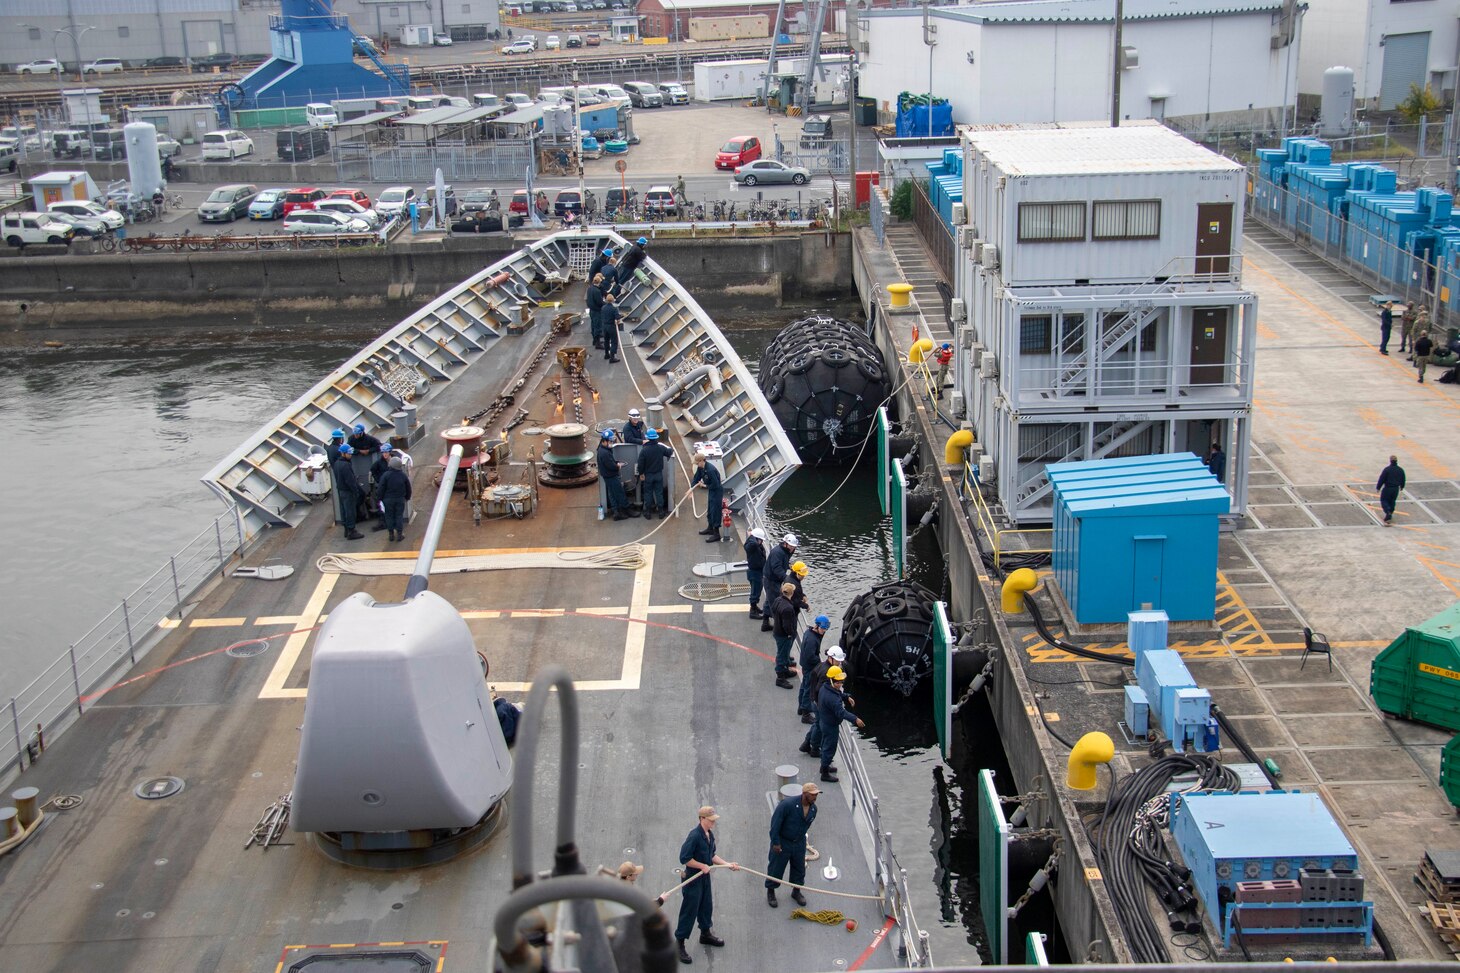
[(74, 33)]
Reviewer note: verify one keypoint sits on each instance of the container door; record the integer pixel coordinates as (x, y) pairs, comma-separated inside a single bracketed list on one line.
[(1150, 552), (1213, 238), (1209, 345)]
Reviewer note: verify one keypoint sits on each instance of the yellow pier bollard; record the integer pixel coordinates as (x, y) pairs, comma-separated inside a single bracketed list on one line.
[(901, 294), (1090, 751), (1015, 585)]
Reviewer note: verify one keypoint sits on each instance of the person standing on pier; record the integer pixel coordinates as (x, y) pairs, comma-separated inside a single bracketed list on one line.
[(608, 318), (1386, 327), (1422, 349), (707, 474), (1406, 328), (790, 821), (755, 567), (1391, 481), (944, 357), (348, 489), (777, 563), (831, 712), (697, 903), (810, 659), (1217, 463), (395, 490)]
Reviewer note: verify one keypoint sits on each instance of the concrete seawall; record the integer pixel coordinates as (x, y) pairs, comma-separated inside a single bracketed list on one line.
[(39, 292)]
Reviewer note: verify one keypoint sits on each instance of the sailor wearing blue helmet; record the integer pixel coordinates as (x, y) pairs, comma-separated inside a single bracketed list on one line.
[(650, 469)]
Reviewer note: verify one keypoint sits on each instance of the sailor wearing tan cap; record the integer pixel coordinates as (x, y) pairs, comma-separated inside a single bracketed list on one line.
[(789, 823), (697, 904)]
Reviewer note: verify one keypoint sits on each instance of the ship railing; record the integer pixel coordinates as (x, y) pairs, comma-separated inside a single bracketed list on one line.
[(888, 873), (94, 662)]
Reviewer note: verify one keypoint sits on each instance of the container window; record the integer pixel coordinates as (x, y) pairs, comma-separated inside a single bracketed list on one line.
[(124, 32), (1034, 334), (1127, 219), (1072, 334), (1051, 222)]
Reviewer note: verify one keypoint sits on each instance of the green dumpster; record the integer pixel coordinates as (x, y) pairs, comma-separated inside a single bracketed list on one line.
[(1418, 676), (866, 111), (1450, 770)]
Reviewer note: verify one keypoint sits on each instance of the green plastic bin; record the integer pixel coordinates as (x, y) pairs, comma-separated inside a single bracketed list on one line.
[(1418, 676), (1450, 771)]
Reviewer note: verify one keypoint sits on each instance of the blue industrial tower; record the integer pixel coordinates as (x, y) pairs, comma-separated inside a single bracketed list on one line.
[(313, 60)]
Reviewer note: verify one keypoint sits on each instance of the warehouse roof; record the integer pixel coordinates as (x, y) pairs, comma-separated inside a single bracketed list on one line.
[(1094, 151), (1082, 11)]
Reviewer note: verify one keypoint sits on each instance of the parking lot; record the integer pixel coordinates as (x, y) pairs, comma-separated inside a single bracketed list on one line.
[(675, 141)]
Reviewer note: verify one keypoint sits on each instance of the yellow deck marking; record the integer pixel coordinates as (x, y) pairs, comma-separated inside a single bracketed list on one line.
[(277, 620), (274, 685), (629, 676), (215, 622), (169, 623), (1052, 717)]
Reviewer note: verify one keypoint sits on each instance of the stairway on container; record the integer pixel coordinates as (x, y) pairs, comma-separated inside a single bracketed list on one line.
[(1107, 441), (1111, 340)]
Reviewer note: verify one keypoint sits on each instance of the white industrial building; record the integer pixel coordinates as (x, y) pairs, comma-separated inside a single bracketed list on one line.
[(1390, 45), (1098, 280), (1203, 63)]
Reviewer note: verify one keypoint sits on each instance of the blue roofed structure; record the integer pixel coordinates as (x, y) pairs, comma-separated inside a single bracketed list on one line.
[(1135, 533), (313, 59)]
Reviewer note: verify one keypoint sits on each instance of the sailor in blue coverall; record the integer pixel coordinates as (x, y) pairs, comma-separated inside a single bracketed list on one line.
[(789, 824), (697, 903)]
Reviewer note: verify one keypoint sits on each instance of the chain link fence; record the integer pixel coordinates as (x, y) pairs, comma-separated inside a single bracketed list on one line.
[(58, 696), (502, 160)]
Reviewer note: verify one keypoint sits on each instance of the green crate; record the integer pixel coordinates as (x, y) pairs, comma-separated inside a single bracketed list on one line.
[(1418, 676), (1450, 771)]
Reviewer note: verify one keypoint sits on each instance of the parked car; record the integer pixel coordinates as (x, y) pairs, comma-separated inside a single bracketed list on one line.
[(661, 199), (592, 40), (770, 171), (70, 143), (393, 201), (323, 221), (9, 154), (104, 65), (552, 43), (318, 114), (674, 93), (168, 146), (816, 130), (301, 144), (82, 226), (570, 201), (46, 65), (109, 144), (613, 93), (267, 205), (227, 144), (642, 94), (19, 229), (227, 203), (163, 62), (353, 195), (575, 40), (520, 47), (89, 210), (441, 40), (475, 200), (302, 198), (519, 202), (350, 208), (620, 198), (517, 99), (364, 46), (738, 151), (208, 62)]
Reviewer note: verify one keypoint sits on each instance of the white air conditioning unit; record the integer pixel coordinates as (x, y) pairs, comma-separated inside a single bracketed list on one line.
[(976, 350), (986, 470), (966, 235), (988, 364), (960, 214), (975, 251), (958, 311), (990, 257), (959, 408)]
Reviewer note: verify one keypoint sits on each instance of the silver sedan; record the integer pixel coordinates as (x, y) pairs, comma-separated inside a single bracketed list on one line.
[(769, 171)]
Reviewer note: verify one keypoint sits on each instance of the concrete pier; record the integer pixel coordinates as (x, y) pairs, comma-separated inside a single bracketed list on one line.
[(1329, 412)]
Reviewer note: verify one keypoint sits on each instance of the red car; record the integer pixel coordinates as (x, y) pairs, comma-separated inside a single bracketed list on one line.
[(353, 195), (303, 198), (738, 151)]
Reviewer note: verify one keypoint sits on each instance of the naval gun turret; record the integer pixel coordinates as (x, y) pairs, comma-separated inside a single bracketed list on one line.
[(402, 761)]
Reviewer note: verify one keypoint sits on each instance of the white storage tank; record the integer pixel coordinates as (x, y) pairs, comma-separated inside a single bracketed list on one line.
[(1336, 110), (144, 165)]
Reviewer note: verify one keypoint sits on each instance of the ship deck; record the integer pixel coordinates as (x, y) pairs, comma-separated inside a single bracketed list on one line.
[(678, 708)]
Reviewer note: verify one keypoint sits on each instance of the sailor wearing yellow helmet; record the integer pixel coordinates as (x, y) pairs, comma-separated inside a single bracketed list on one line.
[(831, 710)]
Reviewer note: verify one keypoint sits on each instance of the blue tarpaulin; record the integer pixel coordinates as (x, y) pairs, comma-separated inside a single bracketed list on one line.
[(913, 121)]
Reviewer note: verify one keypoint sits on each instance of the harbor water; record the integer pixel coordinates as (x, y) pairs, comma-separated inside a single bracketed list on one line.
[(116, 436)]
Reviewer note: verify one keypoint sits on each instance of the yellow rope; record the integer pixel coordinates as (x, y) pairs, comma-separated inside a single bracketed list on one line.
[(827, 917)]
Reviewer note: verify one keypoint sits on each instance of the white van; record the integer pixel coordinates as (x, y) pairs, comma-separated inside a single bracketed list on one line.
[(420, 102), (320, 115)]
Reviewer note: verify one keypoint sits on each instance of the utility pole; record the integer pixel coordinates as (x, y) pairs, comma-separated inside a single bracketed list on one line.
[(578, 146), (930, 38), (1115, 66)]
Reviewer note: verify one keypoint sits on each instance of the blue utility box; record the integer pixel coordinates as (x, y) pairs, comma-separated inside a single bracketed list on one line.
[(1137, 711), (1272, 864), (1146, 630), (1137, 533)]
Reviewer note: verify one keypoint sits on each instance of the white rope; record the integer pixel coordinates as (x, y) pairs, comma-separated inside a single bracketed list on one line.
[(697, 873)]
